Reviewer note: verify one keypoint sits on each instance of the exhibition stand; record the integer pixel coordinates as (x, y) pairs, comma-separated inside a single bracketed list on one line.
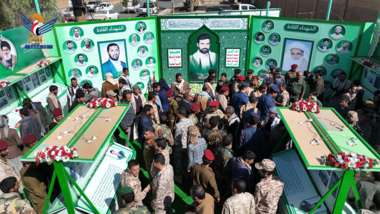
[(315, 136)]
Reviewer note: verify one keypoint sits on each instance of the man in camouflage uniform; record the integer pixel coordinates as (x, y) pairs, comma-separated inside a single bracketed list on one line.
[(240, 202), (297, 87), (214, 136), (10, 200), (162, 186), (270, 188), (172, 112), (212, 111), (159, 147), (149, 146), (128, 196), (6, 169), (130, 178), (163, 131), (152, 101), (221, 161)]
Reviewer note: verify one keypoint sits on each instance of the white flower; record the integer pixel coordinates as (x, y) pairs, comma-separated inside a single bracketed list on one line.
[(304, 109), (115, 104), (108, 105), (340, 161), (297, 108), (50, 147), (351, 164), (36, 154), (347, 153), (75, 154), (366, 165), (67, 150), (314, 109), (339, 157), (57, 158), (65, 159), (49, 161), (354, 155), (98, 104)]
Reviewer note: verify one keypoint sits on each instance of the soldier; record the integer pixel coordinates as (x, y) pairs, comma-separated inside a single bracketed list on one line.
[(221, 161), (57, 115), (162, 186), (223, 98), (250, 105), (270, 188), (130, 178), (150, 143), (240, 202), (204, 203), (34, 182), (240, 98), (195, 109), (152, 101), (6, 169), (291, 74), (297, 87), (203, 175), (172, 112), (128, 196), (10, 201), (163, 131), (29, 142), (212, 111), (213, 135), (159, 147)]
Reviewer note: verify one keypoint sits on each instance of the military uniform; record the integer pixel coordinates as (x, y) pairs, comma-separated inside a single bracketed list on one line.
[(11, 203), (164, 132), (163, 190), (172, 112), (203, 175), (240, 203), (148, 153), (180, 141), (127, 179), (214, 139), (289, 76), (132, 208), (296, 87), (245, 108), (194, 118), (154, 170), (34, 182), (6, 170), (283, 98), (267, 194)]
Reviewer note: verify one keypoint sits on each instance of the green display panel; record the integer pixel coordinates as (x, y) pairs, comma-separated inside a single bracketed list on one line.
[(192, 45), (89, 50), (307, 43)]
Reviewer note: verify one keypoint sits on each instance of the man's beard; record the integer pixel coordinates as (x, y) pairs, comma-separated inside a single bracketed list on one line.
[(88, 46), (114, 58), (8, 57), (296, 61), (204, 50), (81, 61)]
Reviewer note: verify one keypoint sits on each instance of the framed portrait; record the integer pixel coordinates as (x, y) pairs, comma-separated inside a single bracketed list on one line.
[(134, 39), (337, 32), (270, 62), (267, 25), (9, 93), (344, 47), (140, 27), (262, 73), (150, 62), (92, 71), (322, 68), (259, 38), (113, 57), (76, 33), (297, 52), (265, 50), (325, 45), (142, 51), (148, 37), (75, 73), (8, 54), (140, 85), (81, 59), (69, 46), (35, 80), (331, 59), (335, 73), (137, 64), (232, 58), (174, 58), (274, 39), (256, 62), (144, 74), (87, 45)]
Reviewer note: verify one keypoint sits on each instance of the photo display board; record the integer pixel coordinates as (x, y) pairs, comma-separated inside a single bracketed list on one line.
[(308, 43), (92, 49), (193, 45)]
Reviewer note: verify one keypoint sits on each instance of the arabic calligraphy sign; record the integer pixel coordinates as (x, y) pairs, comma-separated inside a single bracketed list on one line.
[(175, 58), (301, 28), (110, 29), (232, 57)]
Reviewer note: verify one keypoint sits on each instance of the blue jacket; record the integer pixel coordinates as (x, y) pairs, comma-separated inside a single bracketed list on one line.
[(265, 103), (238, 100), (108, 67), (143, 124), (246, 136), (164, 100), (257, 144), (237, 169), (246, 114)]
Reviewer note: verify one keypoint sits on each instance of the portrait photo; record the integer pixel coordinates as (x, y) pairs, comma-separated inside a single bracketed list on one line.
[(142, 51), (81, 59), (267, 26), (140, 27), (259, 38), (274, 39), (35, 80), (113, 57), (331, 59), (117, 154), (47, 71), (257, 62), (270, 62), (307, 205), (335, 73), (148, 37), (75, 73), (325, 44), (203, 51), (337, 32), (136, 64), (87, 45), (86, 81), (92, 71), (344, 47), (8, 54), (265, 50), (76, 33), (144, 74), (69, 46), (297, 52), (140, 85), (134, 39), (262, 74), (9, 93), (150, 62), (322, 68)]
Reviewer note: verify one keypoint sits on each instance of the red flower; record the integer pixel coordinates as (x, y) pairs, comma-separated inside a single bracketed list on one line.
[(37, 160), (42, 155), (63, 153), (358, 165), (330, 159), (346, 160), (293, 107), (309, 100), (317, 112), (103, 105), (56, 152), (53, 158), (370, 160), (70, 155), (342, 153), (335, 163), (54, 147), (362, 159), (49, 152), (370, 165), (343, 166)]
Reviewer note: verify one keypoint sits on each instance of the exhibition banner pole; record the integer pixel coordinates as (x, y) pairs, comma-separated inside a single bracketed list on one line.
[(22, 91), (49, 193), (268, 5), (347, 181), (326, 196), (60, 170), (329, 10), (147, 8), (37, 6)]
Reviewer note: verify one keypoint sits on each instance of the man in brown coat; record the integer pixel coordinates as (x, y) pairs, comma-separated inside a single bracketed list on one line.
[(109, 84), (180, 86), (204, 203), (52, 99)]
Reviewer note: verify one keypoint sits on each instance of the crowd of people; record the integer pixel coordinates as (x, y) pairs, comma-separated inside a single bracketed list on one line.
[(218, 140)]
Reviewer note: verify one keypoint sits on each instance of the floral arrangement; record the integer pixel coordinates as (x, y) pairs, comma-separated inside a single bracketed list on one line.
[(101, 102), (347, 160), (42, 63), (55, 154), (306, 105), (3, 84), (368, 62)]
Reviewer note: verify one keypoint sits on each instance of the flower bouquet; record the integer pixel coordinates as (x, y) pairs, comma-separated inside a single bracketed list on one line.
[(101, 102), (368, 62), (42, 63), (305, 105), (347, 160), (55, 154), (4, 83)]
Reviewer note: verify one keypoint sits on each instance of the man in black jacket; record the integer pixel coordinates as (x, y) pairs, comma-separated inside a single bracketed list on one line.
[(79, 12)]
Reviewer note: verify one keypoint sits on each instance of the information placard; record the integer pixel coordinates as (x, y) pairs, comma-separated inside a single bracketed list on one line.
[(232, 57), (175, 58)]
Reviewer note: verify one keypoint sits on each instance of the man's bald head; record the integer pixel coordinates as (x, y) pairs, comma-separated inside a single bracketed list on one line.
[(299, 75)]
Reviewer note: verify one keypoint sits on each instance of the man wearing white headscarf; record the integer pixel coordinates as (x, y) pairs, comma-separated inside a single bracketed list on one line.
[(296, 56)]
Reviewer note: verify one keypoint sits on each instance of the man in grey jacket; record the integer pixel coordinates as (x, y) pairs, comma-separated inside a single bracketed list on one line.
[(90, 92)]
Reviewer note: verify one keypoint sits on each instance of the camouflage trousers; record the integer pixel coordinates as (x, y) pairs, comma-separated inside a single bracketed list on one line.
[(180, 159)]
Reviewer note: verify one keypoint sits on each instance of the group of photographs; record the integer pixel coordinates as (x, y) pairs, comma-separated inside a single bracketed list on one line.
[(35, 80)]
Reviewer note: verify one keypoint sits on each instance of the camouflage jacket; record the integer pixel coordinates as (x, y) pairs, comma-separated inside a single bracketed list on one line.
[(162, 188), (172, 112), (154, 170), (127, 179), (214, 139), (180, 136), (11, 203), (267, 194), (164, 132), (221, 160), (132, 208), (240, 203)]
